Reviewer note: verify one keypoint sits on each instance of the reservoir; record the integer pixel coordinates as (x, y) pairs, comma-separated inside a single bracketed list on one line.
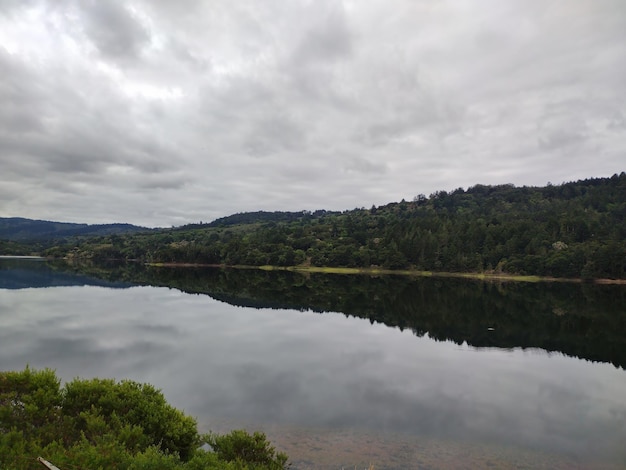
[(344, 371)]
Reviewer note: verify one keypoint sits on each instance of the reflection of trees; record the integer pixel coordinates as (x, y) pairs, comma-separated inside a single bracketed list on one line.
[(587, 321)]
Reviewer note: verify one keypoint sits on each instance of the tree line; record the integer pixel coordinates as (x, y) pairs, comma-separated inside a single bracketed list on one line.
[(575, 229)]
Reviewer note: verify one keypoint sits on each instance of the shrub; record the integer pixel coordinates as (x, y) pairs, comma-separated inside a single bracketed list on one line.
[(101, 423)]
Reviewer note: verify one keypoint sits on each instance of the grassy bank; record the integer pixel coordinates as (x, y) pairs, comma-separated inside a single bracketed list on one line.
[(500, 277)]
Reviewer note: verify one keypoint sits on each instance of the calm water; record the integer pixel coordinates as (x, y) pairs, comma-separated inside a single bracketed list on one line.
[(343, 371)]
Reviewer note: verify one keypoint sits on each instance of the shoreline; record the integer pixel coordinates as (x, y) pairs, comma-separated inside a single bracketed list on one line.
[(492, 277)]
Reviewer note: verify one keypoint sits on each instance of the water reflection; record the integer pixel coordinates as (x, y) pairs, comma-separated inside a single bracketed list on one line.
[(24, 272), (295, 367), (580, 320)]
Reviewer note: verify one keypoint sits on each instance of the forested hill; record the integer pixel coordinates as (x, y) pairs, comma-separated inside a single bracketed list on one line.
[(575, 229), (20, 229), (264, 217)]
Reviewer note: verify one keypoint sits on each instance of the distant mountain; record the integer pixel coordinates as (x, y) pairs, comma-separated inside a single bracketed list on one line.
[(20, 229)]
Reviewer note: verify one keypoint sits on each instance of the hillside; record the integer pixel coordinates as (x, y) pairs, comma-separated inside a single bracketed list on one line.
[(26, 230), (576, 229)]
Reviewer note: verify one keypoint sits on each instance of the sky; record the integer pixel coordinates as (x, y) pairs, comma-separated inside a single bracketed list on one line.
[(163, 113)]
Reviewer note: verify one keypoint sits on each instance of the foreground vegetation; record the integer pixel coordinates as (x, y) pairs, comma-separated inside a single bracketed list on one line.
[(574, 230), (103, 424)]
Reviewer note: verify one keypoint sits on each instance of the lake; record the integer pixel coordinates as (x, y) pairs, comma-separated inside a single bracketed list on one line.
[(344, 371)]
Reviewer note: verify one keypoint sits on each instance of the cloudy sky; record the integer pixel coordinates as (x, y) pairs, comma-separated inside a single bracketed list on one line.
[(167, 112)]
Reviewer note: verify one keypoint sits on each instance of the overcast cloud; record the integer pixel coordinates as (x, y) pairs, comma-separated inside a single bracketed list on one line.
[(167, 112)]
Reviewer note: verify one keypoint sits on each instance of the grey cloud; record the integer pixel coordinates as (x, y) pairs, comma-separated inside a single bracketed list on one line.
[(164, 181), (401, 106), (560, 138), (182, 52), (9, 7), (166, 112), (617, 122), (114, 30), (326, 36), (362, 165), (67, 136), (563, 124), (21, 110), (275, 134)]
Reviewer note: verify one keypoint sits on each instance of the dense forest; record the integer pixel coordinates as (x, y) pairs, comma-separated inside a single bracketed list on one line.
[(573, 230)]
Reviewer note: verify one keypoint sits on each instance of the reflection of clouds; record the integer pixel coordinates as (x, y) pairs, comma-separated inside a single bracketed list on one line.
[(268, 393), (57, 349), (83, 329), (279, 366)]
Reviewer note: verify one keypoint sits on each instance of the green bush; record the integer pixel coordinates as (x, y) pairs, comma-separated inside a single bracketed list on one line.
[(102, 424), (241, 447)]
